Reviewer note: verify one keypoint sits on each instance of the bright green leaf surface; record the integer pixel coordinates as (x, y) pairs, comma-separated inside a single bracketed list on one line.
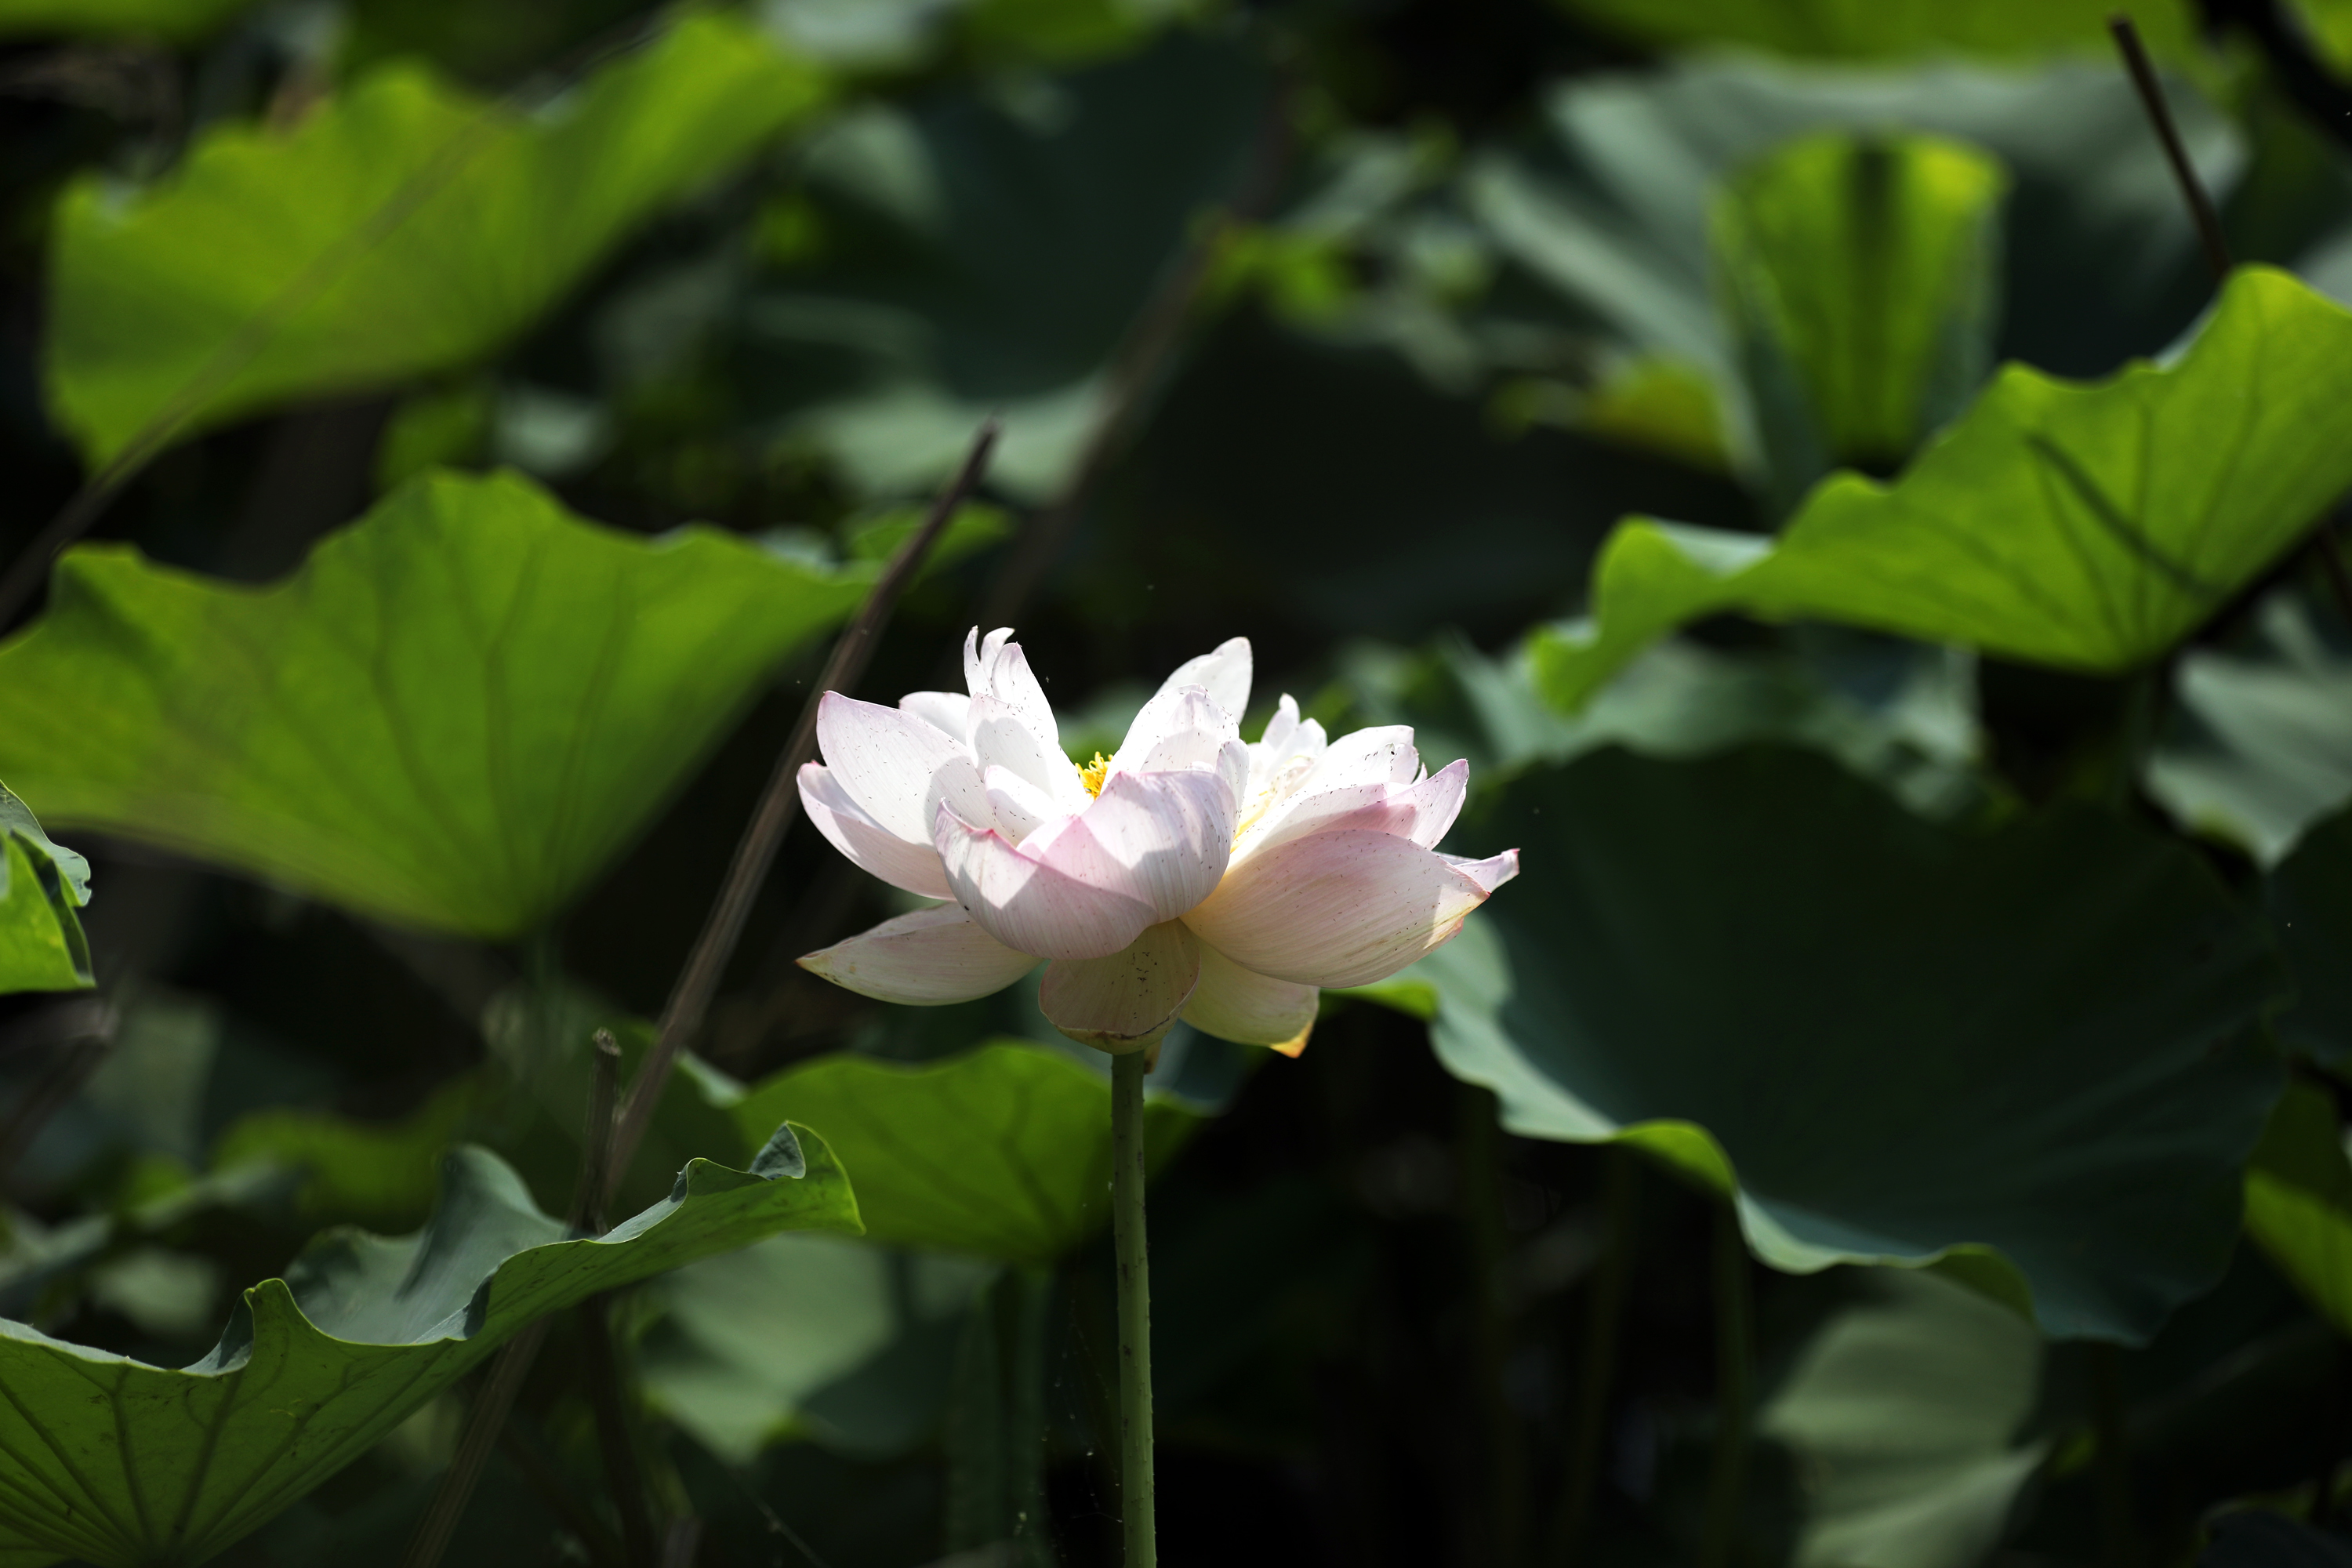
[(1003, 1152), (1880, 29), (452, 715), (405, 228), (127, 1465), (2299, 1201), (175, 21), (1861, 277), (41, 884), (2036, 1050), (2310, 904), (1903, 1415), (2085, 527)]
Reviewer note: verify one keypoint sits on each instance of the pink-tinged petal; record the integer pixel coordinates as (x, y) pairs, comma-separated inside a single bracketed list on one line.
[(1178, 704), (1126, 1001), (1163, 837), (1382, 754), (1490, 873), (1011, 683), (1001, 737), (1224, 673), (1420, 811), (897, 767), (926, 960), (1344, 908), (1038, 907), (1241, 1005), (1020, 807), (947, 712), (869, 847)]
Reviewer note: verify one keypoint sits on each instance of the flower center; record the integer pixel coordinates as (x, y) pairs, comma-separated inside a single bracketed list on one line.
[(1092, 773)]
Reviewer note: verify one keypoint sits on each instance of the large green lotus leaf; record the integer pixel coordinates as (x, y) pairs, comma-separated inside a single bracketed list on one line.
[(1904, 1413), (41, 884), (453, 714), (1001, 1153), (2036, 1053), (1879, 30), (403, 229), (2085, 527), (2311, 905), (2299, 1201), (125, 1465), (175, 21), (1861, 277), (2258, 742)]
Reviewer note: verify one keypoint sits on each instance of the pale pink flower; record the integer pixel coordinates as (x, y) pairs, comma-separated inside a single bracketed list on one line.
[(1192, 875)]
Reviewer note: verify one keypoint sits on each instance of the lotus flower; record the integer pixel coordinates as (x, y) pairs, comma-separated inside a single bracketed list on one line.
[(1190, 875)]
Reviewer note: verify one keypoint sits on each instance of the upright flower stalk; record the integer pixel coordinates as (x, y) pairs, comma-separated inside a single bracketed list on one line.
[(1190, 875)]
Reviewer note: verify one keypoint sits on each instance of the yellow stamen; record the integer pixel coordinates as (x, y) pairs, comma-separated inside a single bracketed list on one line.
[(1092, 773)]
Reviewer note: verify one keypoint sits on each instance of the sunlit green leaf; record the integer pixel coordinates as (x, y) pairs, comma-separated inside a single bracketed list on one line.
[(174, 21), (126, 1465), (405, 228), (1002, 1152), (2310, 904), (41, 884), (1904, 1415), (1861, 278), (1879, 30), (452, 715), (2036, 1050), (2085, 527), (2299, 1201)]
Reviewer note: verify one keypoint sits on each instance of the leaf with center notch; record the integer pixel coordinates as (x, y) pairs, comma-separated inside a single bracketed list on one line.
[(125, 1465), (42, 883), (2037, 1053), (2090, 528), (405, 228), (1000, 1152), (452, 715)]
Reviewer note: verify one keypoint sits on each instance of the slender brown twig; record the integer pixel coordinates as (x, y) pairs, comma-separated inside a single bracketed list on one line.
[(2159, 115), (689, 1000)]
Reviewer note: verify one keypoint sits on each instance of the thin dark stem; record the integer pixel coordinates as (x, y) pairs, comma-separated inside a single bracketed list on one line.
[(508, 1370), (2160, 114), (2118, 1522), (2331, 566), (623, 1475), (1479, 1145), (1726, 1481), (1604, 1318), (1135, 1485), (596, 1142), (689, 1001), (541, 1473), (84, 1049), (683, 1540), (1135, 370)]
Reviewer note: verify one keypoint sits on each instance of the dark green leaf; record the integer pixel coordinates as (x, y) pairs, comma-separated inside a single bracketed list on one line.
[(405, 228), (1995, 29), (178, 20), (2034, 1053), (126, 1465), (1002, 1152), (2311, 903), (2085, 527), (2299, 1201), (452, 715), (41, 884)]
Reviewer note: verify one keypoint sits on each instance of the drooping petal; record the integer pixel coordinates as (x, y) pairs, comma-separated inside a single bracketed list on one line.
[(1126, 1000), (869, 845), (897, 767), (1020, 807), (1344, 908), (1241, 1005), (1025, 902), (1420, 811), (947, 712), (1001, 737), (926, 959)]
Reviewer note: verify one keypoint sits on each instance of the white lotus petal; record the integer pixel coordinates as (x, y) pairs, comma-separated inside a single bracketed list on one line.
[(869, 845), (926, 959), (1343, 908), (1381, 755), (1002, 738), (1170, 836), (1126, 1000), (1224, 673), (979, 658), (897, 767), (1020, 807), (1075, 906), (1236, 1003), (1010, 681), (948, 711), (1420, 811)]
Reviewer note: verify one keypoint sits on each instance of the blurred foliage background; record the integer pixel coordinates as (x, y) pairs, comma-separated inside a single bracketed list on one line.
[(1353, 327)]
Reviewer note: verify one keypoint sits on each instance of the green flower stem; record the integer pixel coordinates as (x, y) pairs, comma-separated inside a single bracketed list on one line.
[(1134, 1307)]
